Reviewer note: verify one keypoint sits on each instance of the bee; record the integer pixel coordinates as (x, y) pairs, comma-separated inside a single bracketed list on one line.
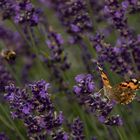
[(8, 55)]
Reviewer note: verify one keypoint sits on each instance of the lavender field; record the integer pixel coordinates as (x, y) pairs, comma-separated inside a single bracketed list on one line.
[(69, 69)]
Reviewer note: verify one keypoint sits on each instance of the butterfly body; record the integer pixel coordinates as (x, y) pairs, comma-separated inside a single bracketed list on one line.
[(122, 93)]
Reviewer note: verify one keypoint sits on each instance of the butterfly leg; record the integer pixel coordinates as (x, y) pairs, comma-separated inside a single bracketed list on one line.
[(100, 90)]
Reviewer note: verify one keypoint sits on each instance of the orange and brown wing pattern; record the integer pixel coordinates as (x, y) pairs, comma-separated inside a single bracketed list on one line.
[(133, 84), (104, 76), (124, 96), (124, 93), (106, 84)]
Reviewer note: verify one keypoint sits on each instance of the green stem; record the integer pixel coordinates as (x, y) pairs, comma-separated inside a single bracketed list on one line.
[(43, 37), (13, 74), (106, 130), (120, 134), (37, 54), (90, 47), (22, 34), (6, 123), (94, 128), (90, 12), (13, 124), (133, 63), (33, 47)]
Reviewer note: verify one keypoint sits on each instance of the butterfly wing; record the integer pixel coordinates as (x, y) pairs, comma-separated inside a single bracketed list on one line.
[(106, 84), (124, 93), (104, 77)]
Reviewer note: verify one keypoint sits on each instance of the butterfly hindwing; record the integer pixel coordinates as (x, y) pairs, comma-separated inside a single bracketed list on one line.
[(123, 94)]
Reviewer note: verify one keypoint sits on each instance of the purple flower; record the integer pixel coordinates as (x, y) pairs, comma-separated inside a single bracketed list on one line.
[(77, 129), (3, 136), (60, 136), (21, 12), (77, 90), (93, 102), (101, 119), (56, 59), (6, 8), (98, 48), (123, 56), (28, 6), (59, 39), (125, 4), (26, 109), (114, 120), (26, 13), (74, 16), (79, 78), (75, 28), (60, 118), (84, 85), (35, 108)]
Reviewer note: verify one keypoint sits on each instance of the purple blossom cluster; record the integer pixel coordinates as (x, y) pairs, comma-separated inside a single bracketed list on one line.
[(97, 10), (25, 13), (33, 105), (22, 12), (132, 5), (57, 55), (85, 84), (60, 135), (77, 129), (95, 102), (74, 16), (3, 136), (124, 55), (36, 103), (116, 15), (6, 9), (57, 60)]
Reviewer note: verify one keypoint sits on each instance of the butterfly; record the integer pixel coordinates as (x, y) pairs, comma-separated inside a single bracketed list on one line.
[(123, 92)]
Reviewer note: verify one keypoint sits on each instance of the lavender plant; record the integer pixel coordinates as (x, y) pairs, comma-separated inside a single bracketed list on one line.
[(61, 42)]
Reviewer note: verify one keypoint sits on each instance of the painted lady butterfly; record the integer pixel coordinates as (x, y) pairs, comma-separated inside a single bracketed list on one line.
[(122, 93)]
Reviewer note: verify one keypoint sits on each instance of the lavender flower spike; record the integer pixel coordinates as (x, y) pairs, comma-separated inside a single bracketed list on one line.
[(94, 102), (77, 129), (35, 108)]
